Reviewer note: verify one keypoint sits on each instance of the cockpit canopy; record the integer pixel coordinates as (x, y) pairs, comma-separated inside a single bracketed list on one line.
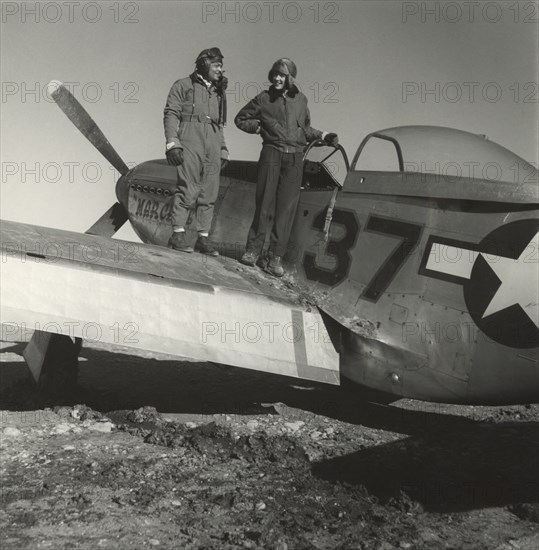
[(442, 152)]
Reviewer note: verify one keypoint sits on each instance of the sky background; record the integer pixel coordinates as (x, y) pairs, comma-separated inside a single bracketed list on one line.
[(363, 65)]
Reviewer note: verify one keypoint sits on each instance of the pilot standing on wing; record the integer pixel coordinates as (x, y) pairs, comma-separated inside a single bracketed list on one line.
[(194, 117), (281, 116)]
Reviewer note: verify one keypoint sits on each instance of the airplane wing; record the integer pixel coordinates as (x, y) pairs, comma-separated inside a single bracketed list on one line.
[(152, 298)]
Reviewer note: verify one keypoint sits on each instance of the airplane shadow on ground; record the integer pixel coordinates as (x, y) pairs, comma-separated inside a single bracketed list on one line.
[(114, 381), (448, 464), (477, 466)]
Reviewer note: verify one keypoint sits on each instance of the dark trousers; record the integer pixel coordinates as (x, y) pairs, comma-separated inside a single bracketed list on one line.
[(277, 195)]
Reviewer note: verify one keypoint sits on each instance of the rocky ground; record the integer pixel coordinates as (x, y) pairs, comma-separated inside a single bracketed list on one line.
[(150, 452)]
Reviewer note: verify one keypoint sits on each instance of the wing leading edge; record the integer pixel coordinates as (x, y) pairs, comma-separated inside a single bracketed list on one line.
[(150, 298)]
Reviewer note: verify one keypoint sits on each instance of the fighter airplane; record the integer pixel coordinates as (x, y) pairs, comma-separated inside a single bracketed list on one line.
[(413, 272)]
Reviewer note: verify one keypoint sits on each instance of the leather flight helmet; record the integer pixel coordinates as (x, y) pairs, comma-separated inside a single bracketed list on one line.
[(285, 66), (206, 58)]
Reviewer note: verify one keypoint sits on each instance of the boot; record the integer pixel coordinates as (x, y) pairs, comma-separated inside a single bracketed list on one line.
[(263, 260), (178, 242), (204, 246), (275, 266), (249, 258)]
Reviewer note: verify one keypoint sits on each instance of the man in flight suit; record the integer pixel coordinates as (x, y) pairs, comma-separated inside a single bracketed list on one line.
[(194, 117)]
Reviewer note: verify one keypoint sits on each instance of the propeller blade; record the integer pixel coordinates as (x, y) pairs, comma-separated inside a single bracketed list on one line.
[(109, 222), (84, 122)]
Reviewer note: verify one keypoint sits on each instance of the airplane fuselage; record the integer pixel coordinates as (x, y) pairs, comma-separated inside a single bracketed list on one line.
[(423, 262), (407, 278)]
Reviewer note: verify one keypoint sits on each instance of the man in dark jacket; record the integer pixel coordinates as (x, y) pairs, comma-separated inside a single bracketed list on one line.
[(194, 116), (281, 116)]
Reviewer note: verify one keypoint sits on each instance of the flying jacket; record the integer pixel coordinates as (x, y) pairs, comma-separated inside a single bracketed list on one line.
[(190, 100), (282, 120)]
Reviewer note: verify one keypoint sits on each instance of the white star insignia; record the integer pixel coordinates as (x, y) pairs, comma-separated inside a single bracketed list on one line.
[(519, 281)]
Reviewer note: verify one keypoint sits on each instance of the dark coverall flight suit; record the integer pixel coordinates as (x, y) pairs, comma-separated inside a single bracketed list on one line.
[(193, 120)]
